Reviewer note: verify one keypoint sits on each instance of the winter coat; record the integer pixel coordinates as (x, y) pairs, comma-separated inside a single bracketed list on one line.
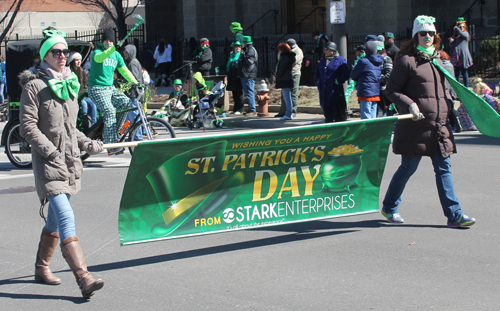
[(415, 79), (204, 59), (367, 75), (284, 78), (247, 63), (299, 57), (320, 46), (391, 50), (48, 124), (386, 70), (233, 82), (460, 47), (330, 92)]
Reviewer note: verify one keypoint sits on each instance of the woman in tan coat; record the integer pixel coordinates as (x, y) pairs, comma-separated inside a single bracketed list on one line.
[(416, 86), (48, 117)]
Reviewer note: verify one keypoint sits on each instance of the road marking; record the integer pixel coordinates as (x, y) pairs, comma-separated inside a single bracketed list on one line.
[(90, 165)]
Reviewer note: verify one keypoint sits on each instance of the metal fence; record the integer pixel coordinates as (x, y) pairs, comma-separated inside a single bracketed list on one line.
[(137, 37), (267, 49)]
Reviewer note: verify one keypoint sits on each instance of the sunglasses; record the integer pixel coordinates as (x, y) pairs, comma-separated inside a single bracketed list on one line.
[(424, 33), (56, 53)]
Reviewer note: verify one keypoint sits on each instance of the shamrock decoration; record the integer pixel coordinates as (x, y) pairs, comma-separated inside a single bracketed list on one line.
[(54, 32), (426, 19)]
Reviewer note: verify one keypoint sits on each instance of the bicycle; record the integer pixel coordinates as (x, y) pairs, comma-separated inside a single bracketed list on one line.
[(18, 150), (152, 128)]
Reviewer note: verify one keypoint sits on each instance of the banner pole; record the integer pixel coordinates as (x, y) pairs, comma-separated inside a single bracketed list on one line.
[(120, 145)]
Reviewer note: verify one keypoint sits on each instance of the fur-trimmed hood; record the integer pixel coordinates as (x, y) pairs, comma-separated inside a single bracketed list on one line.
[(26, 76)]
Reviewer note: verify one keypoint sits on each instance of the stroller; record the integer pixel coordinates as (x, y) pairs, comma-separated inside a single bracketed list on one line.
[(204, 114)]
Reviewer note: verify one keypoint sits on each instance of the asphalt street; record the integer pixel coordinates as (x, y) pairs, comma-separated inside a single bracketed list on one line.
[(351, 263)]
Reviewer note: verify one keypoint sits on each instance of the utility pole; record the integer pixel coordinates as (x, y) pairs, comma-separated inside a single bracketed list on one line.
[(338, 29)]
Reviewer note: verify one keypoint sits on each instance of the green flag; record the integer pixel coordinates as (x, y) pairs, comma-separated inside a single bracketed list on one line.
[(486, 119)]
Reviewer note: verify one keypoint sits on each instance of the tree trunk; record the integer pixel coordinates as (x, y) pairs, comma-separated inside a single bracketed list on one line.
[(120, 18), (11, 21)]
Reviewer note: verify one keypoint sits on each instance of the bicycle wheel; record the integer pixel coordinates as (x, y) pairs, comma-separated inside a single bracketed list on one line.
[(17, 149), (160, 129)]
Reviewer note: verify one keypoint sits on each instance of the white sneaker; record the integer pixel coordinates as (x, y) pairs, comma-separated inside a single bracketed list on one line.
[(284, 118)]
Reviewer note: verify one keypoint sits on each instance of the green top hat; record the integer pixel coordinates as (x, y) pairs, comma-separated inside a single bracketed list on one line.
[(460, 20), (235, 27), (235, 43), (247, 40), (177, 82)]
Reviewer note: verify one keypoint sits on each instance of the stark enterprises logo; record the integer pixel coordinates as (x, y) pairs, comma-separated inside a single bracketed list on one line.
[(228, 215)]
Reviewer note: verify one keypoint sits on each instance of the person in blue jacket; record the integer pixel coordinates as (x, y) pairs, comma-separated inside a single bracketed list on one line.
[(329, 77), (367, 75)]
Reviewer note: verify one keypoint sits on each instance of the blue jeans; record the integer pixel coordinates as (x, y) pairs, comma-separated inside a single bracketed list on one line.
[(60, 217), (444, 182), (368, 109), (2, 98), (248, 89), (287, 97), (465, 76), (131, 116), (88, 107)]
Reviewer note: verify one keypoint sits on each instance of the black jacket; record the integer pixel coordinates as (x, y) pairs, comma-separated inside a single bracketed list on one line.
[(391, 50), (247, 63), (284, 78), (204, 59)]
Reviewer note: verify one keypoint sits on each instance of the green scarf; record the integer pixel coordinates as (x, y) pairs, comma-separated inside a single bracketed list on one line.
[(429, 51), (232, 59), (62, 88)]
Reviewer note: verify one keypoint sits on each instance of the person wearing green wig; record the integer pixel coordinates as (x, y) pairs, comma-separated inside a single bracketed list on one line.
[(48, 114), (417, 86), (103, 62)]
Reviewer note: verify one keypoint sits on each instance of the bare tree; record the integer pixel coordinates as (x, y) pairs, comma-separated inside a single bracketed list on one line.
[(8, 26), (117, 10), (98, 18)]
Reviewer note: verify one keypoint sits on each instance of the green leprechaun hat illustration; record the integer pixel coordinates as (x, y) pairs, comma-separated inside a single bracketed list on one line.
[(188, 184)]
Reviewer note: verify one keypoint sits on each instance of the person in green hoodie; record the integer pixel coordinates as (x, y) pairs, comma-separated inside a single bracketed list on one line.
[(104, 60)]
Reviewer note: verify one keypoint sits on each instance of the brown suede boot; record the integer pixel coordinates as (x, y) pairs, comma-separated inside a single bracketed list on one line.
[(46, 248), (73, 254)]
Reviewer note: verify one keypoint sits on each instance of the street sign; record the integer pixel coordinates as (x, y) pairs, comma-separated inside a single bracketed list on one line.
[(337, 12)]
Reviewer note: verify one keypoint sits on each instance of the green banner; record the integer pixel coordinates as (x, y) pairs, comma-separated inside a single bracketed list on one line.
[(193, 186)]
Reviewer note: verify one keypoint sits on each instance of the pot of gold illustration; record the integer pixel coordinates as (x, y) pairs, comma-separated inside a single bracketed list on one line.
[(342, 168)]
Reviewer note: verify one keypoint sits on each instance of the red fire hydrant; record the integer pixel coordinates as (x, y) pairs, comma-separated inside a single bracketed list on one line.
[(262, 98)]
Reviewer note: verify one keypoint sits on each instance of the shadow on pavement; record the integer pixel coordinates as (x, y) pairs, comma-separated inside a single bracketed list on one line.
[(23, 280), (75, 300), (476, 139), (214, 250), (301, 232)]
